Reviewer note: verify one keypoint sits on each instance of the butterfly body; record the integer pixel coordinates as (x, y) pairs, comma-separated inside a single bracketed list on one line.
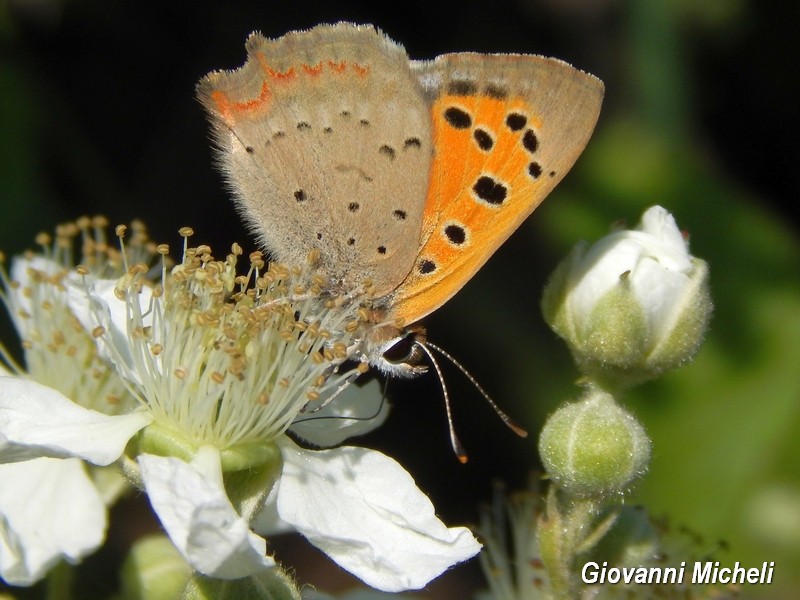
[(405, 176)]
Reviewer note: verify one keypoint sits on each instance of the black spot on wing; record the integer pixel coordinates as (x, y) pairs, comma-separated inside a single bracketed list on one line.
[(516, 121), (498, 92), (457, 118), (490, 190), (455, 234), (530, 142), (462, 87), (483, 139), (387, 151), (426, 267)]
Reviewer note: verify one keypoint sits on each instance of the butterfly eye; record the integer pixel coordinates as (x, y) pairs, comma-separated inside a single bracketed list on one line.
[(405, 351)]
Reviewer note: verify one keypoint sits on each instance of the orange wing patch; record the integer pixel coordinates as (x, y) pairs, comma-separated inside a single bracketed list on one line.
[(485, 180), (253, 92)]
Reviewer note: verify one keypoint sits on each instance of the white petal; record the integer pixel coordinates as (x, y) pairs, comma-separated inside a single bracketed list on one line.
[(94, 303), (21, 266), (309, 593), (656, 256), (37, 421), (356, 411), (267, 522), (658, 222), (199, 518), (659, 290), (364, 510), (49, 510), (20, 272), (600, 269)]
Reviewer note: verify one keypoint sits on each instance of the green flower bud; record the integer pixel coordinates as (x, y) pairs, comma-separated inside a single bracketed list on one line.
[(154, 570), (271, 584), (633, 305), (593, 447)]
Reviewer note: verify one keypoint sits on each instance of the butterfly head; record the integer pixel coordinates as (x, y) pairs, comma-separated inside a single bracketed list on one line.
[(396, 350)]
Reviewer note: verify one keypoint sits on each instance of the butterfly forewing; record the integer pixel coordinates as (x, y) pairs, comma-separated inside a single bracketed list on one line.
[(325, 138), (506, 129), (408, 174)]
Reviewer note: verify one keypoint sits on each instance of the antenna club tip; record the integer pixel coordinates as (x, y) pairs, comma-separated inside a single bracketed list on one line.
[(519, 431), (463, 459)]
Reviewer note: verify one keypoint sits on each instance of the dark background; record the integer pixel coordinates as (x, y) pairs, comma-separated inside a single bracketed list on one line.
[(97, 115)]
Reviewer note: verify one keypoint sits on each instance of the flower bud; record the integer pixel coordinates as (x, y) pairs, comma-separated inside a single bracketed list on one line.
[(271, 584), (593, 447), (154, 570), (633, 305)]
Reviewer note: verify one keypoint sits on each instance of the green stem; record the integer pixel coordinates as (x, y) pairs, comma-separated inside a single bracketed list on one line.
[(59, 582), (658, 66), (563, 532)]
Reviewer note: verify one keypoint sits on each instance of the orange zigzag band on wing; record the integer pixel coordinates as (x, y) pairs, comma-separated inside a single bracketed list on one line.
[(233, 110)]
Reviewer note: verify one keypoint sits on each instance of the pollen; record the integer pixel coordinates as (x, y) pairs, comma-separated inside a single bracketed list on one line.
[(59, 350), (225, 351)]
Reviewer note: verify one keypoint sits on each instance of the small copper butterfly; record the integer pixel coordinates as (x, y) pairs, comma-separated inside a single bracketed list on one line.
[(407, 174)]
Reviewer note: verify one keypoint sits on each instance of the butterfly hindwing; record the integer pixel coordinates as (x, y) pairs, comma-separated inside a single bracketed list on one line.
[(506, 129), (324, 136)]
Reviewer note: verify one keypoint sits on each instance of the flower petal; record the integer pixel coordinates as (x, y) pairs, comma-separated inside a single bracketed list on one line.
[(310, 593), (654, 254), (267, 522), (94, 303), (364, 510), (356, 411), (659, 223), (199, 518), (37, 421), (21, 269), (49, 510)]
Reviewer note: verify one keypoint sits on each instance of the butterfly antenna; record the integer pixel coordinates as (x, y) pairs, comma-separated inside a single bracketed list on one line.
[(349, 418), (458, 449), (342, 387), (503, 416)]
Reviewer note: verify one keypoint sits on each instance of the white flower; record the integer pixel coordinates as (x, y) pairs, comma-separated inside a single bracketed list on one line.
[(364, 511), (191, 502), (57, 406), (224, 368), (632, 305), (49, 509)]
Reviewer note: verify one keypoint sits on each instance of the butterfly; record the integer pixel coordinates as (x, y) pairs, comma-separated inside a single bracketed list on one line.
[(404, 174)]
